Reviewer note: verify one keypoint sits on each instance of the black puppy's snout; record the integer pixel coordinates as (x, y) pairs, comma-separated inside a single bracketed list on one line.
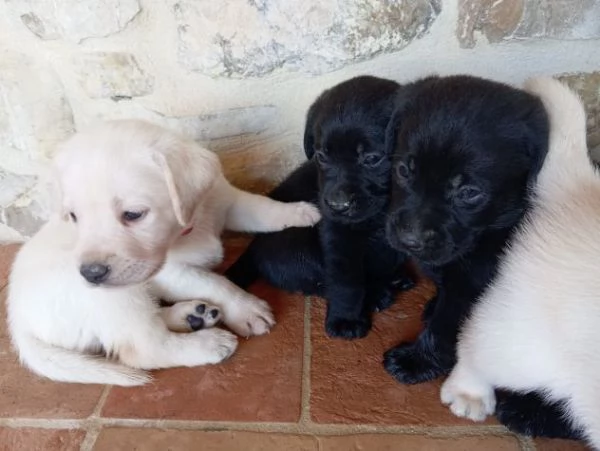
[(339, 201), (416, 241), (94, 272)]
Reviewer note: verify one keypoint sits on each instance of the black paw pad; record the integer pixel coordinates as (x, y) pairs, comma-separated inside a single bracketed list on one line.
[(214, 313), (408, 364), (201, 308), (348, 329), (195, 322)]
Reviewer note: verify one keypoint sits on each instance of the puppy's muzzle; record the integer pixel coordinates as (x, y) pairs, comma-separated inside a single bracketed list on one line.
[(339, 201), (95, 273)]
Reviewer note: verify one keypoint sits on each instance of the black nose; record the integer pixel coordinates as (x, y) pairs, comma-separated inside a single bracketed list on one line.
[(412, 242), (417, 241), (339, 202), (94, 272)]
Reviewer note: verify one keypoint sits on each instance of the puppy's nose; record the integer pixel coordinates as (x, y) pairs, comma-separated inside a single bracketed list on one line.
[(412, 242), (417, 241), (339, 202), (94, 272)]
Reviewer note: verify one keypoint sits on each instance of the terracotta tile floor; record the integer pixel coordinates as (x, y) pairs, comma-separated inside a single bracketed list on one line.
[(294, 389)]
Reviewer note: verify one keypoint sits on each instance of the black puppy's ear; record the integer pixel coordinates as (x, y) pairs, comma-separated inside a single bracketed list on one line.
[(309, 132), (403, 96)]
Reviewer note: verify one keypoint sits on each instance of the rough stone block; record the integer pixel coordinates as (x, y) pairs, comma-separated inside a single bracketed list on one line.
[(242, 38), (74, 20), (508, 20), (114, 75)]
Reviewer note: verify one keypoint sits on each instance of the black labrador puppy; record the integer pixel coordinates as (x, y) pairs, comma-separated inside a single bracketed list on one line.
[(346, 258), (465, 152)]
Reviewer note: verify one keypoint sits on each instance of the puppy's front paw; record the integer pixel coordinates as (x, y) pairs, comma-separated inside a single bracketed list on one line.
[(252, 316), (466, 401), (218, 343), (409, 364), (304, 214), (349, 329), (190, 316)]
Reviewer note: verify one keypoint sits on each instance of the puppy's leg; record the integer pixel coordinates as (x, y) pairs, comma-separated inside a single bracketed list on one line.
[(433, 353), (253, 213), (468, 394), (242, 312), (160, 348), (290, 260), (530, 414), (348, 315), (386, 276), (190, 316)]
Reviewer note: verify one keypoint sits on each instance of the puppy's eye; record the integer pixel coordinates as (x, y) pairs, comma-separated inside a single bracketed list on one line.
[(402, 170), (73, 216), (470, 195), (371, 159), (321, 157), (131, 216)]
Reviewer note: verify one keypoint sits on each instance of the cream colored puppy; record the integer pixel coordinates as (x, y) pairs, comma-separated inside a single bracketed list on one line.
[(140, 215), (537, 327)]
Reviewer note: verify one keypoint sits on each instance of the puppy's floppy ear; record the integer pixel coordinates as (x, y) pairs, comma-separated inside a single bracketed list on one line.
[(189, 171), (309, 130), (405, 96)]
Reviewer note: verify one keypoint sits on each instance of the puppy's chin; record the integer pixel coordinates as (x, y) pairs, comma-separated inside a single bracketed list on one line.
[(355, 215)]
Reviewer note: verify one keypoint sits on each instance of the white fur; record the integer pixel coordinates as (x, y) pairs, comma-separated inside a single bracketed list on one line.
[(537, 327), (59, 322)]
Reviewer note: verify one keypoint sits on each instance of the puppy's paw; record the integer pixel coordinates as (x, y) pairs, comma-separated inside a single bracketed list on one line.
[(217, 344), (409, 364), (250, 317), (190, 316), (302, 214), (349, 329), (466, 401)]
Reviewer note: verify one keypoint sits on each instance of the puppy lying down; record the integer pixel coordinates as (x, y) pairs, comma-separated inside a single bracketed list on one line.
[(140, 214), (537, 327)]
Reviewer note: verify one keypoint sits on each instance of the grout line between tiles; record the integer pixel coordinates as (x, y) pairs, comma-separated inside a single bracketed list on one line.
[(306, 362), (94, 422), (527, 443), (295, 428)]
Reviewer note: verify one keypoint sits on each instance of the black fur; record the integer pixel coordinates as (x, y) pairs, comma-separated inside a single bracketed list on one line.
[(346, 258), (530, 414), (466, 151)]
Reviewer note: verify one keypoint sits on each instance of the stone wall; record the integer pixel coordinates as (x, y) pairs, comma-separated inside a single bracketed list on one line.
[(240, 74)]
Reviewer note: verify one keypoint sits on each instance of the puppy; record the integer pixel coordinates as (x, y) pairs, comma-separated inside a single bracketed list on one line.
[(536, 325), (346, 258), (140, 214), (465, 152)]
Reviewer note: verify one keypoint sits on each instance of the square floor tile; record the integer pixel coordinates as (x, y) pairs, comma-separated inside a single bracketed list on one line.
[(159, 440), (349, 383), (394, 442), (260, 382), (545, 444), (7, 255), (23, 394), (40, 439)]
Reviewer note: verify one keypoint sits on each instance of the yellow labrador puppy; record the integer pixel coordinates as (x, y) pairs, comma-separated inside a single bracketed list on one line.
[(140, 215), (537, 327)]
